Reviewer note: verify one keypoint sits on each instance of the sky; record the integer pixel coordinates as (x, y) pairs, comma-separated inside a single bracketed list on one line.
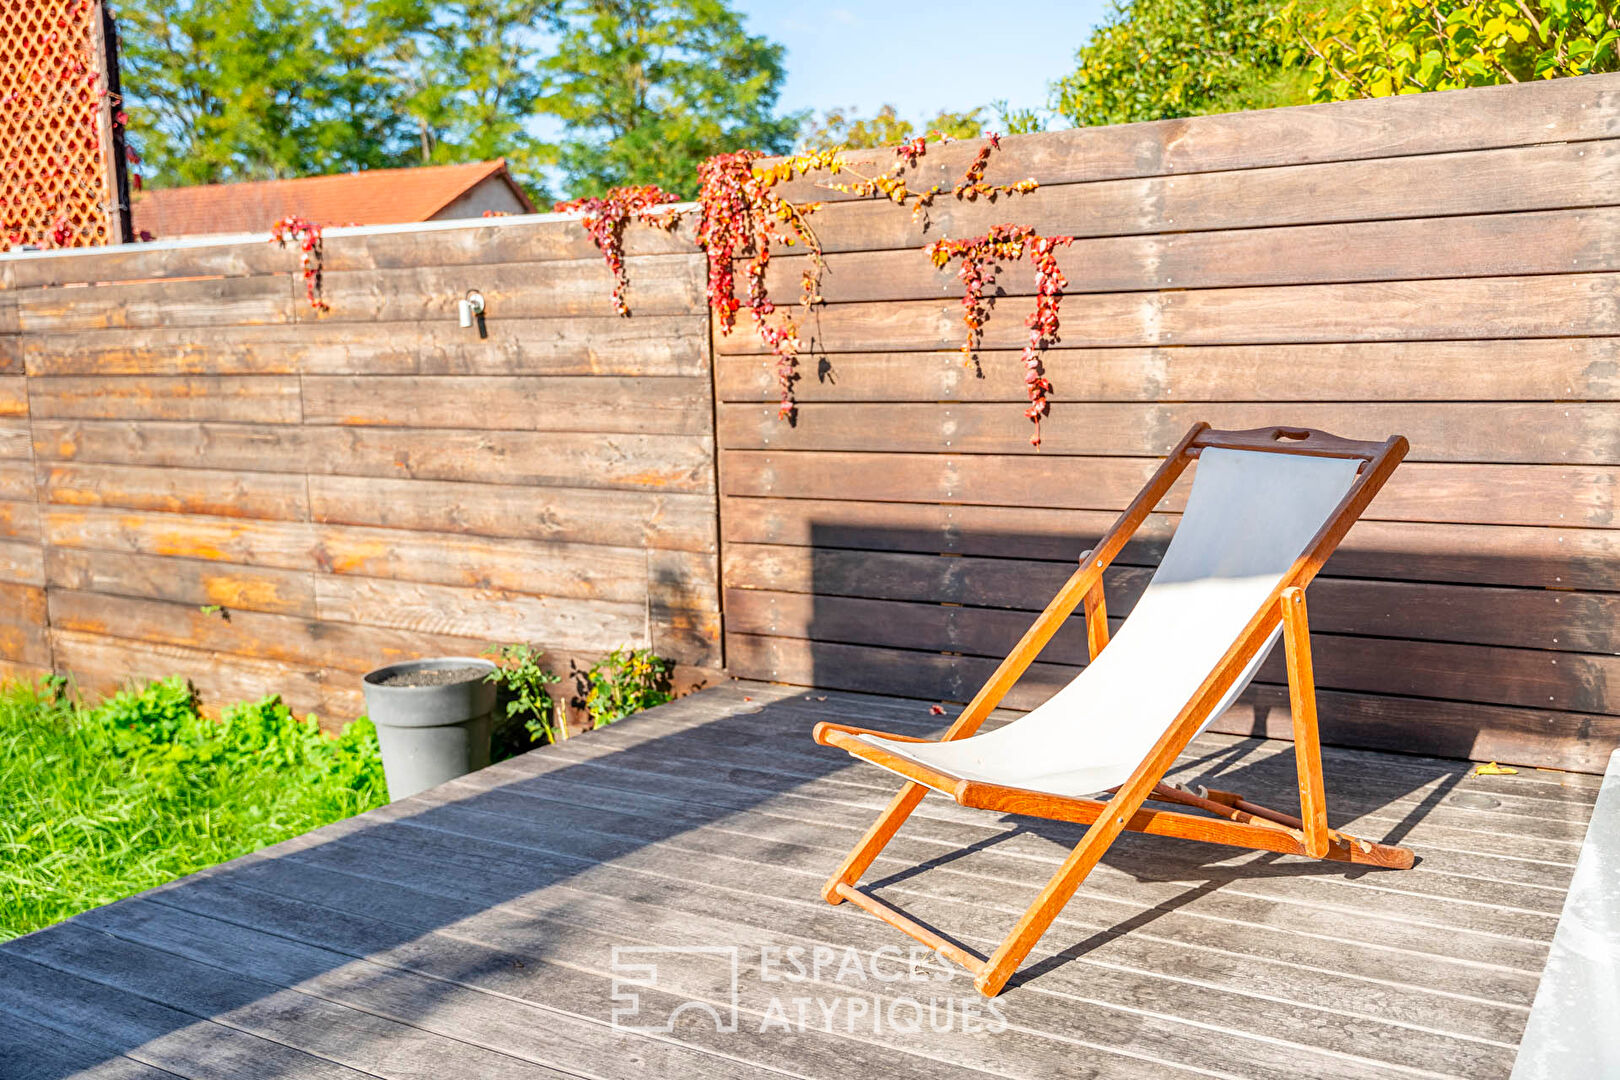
[(922, 57)]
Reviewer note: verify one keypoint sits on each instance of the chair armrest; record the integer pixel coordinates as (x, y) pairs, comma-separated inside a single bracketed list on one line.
[(824, 730)]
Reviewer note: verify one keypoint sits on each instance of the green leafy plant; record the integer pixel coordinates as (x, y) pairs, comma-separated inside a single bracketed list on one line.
[(626, 681), (528, 703), (1158, 59), (97, 803), (845, 129), (1383, 47)]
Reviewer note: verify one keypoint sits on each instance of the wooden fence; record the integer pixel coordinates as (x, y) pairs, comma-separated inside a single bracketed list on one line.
[(380, 483), (1441, 266), (202, 477)]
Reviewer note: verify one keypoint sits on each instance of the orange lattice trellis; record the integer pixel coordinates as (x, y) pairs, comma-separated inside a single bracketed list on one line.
[(61, 177)]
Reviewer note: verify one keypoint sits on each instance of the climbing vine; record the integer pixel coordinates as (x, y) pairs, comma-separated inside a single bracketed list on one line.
[(981, 259), (605, 218), (742, 219), (739, 215), (307, 235)]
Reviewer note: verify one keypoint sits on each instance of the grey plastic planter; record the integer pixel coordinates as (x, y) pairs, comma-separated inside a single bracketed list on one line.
[(431, 734)]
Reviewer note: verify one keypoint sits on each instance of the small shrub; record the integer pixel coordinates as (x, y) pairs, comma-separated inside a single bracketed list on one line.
[(626, 681), (524, 703)]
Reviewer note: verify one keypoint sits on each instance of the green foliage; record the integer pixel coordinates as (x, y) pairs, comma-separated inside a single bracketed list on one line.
[(626, 681), (1011, 121), (1384, 47), (253, 89), (98, 803), (1156, 59), (647, 89), (473, 82), (258, 89), (843, 128), (528, 706)]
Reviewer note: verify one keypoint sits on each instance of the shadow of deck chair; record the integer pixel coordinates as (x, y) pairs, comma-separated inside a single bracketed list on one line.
[(1267, 508)]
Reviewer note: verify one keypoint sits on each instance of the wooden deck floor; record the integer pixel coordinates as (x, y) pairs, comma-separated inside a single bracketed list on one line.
[(477, 931)]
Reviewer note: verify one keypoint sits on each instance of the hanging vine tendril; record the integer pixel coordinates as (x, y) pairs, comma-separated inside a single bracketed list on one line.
[(741, 216), (606, 217), (981, 259), (307, 235)]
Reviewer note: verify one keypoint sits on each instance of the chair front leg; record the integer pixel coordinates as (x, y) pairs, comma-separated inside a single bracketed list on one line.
[(872, 844), (1302, 703)]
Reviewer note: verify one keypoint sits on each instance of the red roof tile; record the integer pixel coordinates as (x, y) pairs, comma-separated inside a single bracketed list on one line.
[(373, 197)]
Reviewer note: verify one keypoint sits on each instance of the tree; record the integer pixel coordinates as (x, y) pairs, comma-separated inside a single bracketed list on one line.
[(473, 83), (841, 127), (1155, 59), (646, 89), (1383, 47), (255, 89)]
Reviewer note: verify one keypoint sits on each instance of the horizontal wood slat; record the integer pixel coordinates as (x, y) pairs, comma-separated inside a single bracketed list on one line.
[(1522, 178), (660, 285), (208, 302), (1440, 309), (14, 439), (1563, 369), (19, 520), (264, 400), (1450, 670), (13, 396), (653, 519), (550, 459), (16, 479), (645, 345), (1553, 111), (1577, 433), (200, 582), (622, 403), (1442, 266), (221, 492), (103, 664), (1544, 558), (1560, 620), (1492, 245), (22, 562), (1548, 495)]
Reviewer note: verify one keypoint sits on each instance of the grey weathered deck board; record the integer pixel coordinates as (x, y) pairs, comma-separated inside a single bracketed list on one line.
[(469, 931), (30, 1051)]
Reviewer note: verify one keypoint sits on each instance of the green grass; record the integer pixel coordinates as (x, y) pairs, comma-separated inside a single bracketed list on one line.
[(97, 803)]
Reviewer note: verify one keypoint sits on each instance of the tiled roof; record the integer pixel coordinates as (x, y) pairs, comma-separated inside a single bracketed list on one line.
[(373, 197)]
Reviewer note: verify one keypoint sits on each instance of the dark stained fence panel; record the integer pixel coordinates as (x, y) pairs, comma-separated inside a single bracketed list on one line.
[(1369, 268)]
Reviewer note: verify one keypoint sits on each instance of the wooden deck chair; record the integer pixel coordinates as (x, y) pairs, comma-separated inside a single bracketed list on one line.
[(1267, 508)]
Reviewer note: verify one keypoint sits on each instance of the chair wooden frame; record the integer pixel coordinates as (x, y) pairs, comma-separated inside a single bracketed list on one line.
[(1236, 821)]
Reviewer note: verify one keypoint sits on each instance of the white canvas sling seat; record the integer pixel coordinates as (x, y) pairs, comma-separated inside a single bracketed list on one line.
[(1267, 508), (1249, 516)]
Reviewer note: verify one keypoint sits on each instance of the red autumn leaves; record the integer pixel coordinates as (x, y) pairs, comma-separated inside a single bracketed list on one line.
[(307, 235), (606, 217), (981, 259), (741, 217)]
